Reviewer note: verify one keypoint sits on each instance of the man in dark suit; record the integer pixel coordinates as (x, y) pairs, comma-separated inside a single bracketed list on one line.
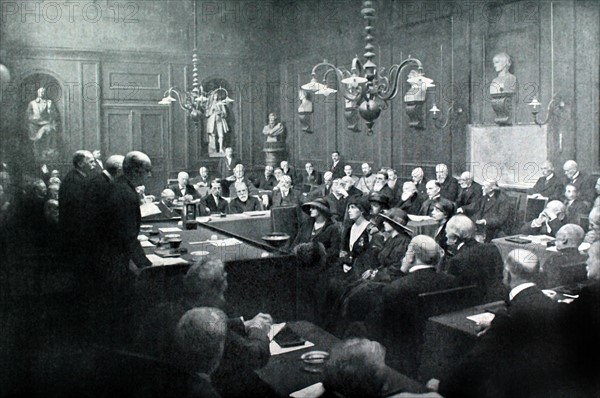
[(408, 200), (380, 186), (337, 168), (567, 267), (310, 176), (418, 177), (283, 195), (71, 203), (267, 181), (491, 212), (243, 201), (167, 196), (519, 353), (287, 170), (98, 165), (401, 310), (548, 185), (448, 184), (433, 195), (469, 192), (227, 163), (239, 177), (203, 179), (574, 206), (550, 220), (473, 262), (322, 190), (337, 201), (213, 201), (583, 183), (183, 187)]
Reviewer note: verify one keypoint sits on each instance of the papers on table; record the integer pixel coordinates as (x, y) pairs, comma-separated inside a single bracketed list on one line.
[(167, 230), (159, 261), (485, 317), (276, 349), (552, 249), (254, 213), (312, 391), (149, 209), (225, 242), (147, 243), (414, 217), (539, 239), (142, 238)]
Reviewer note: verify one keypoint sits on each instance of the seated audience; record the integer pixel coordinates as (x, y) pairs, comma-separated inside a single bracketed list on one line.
[(418, 177), (409, 200), (356, 369), (213, 200), (338, 200), (226, 165), (319, 228), (548, 185), (243, 201), (310, 176), (284, 195), (183, 189), (367, 180), (473, 263), (469, 192), (448, 184), (379, 203), (550, 220), (583, 182), (574, 206), (568, 265), (287, 170), (491, 212), (355, 237), (165, 205), (443, 210), (393, 183), (322, 190), (267, 180), (349, 187), (433, 195), (518, 355), (200, 336)]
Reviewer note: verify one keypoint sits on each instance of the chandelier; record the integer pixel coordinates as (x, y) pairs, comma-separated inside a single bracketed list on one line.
[(197, 101), (365, 87)]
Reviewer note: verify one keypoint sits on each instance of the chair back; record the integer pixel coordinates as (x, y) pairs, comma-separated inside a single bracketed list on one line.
[(533, 207), (513, 220), (285, 219), (443, 301)]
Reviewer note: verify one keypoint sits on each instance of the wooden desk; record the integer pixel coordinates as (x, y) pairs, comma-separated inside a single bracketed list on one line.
[(284, 373), (506, 247), (448, 338), (254, 227)]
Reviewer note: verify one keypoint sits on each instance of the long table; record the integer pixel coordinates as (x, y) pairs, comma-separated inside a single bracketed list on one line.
[(505, 247), (284, 373)]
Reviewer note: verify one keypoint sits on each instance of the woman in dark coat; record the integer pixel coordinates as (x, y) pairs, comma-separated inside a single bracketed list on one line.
[(319, 228)]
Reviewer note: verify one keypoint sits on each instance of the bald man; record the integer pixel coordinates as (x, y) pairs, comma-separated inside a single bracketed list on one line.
[(491, 212), (121, 254), (548, 185), (473, 262), (469, 192), (183, 188), (548, 222), (519, 352), (401, 311), (367, 180), (568, 265)]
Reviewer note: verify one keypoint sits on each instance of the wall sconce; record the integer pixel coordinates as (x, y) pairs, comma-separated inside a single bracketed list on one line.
[(535, 109), (414, 100), (436, 112)]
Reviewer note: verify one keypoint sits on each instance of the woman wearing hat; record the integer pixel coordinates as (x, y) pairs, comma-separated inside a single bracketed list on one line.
[(442, 210), (356, 238), (319, 228)]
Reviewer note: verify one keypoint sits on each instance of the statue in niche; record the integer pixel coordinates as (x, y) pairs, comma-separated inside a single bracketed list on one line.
[(216, 124), (503, 89), (505, 82), (274, 130), (43, 126), (305, 110)]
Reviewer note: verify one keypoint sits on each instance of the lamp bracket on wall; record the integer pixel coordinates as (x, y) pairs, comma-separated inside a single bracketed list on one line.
[(452, 113), (535, 105)]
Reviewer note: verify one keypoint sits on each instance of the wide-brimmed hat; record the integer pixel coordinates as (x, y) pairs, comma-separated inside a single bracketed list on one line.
[(320, 204), (384, 200), (398, 219), (362, 203)]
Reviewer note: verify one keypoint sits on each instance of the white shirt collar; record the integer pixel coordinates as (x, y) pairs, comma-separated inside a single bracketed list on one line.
[(418, 267), (518, 289), (107, 174), (549, 176), (461, 244)]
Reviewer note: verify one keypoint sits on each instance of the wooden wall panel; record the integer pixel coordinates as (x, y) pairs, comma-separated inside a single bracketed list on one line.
[(118, 130), (91, 104), (130, 81)]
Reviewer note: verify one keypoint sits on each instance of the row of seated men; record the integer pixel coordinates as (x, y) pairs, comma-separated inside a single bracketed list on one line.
[(349, 267)]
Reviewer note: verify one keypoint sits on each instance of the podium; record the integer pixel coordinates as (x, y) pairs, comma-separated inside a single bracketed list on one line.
[(275, 152)]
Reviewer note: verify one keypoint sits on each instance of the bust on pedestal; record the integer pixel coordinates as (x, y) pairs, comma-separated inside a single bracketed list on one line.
[(274, 149), (502, 89)]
